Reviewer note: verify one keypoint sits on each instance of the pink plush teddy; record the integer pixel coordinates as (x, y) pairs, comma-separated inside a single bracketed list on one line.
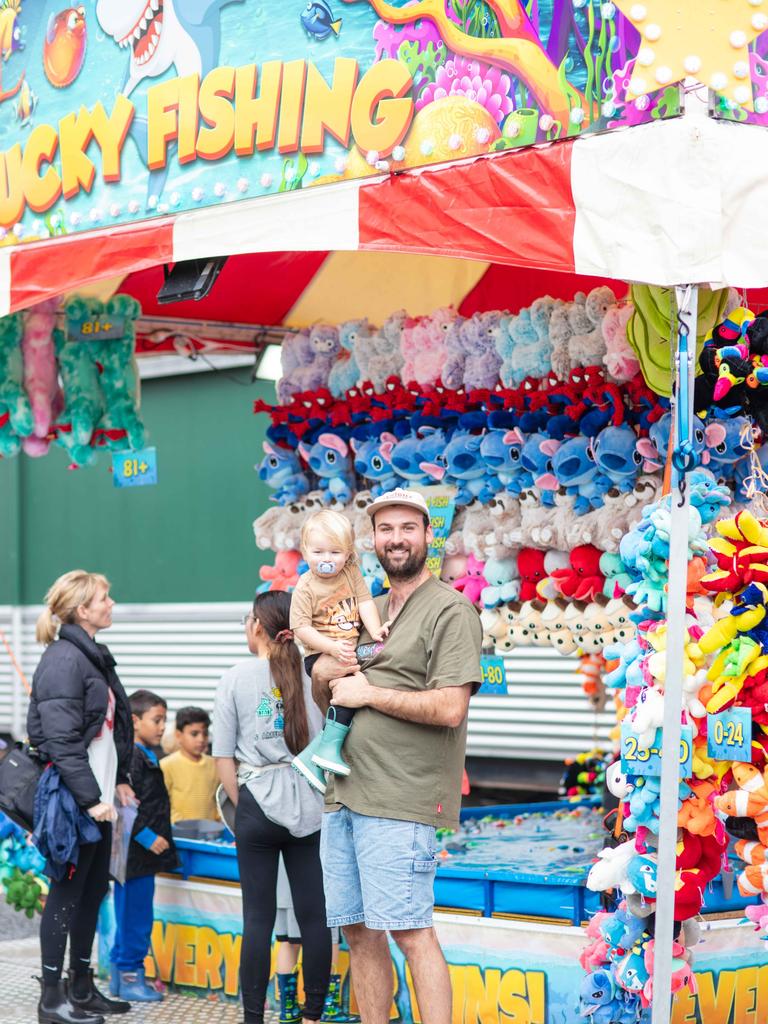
[(41, 375), (284, 574), (472, 584), (423, 347), (619, 359)]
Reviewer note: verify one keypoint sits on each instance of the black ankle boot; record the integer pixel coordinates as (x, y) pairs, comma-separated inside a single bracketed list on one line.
[(83, 994), (55, 1007)]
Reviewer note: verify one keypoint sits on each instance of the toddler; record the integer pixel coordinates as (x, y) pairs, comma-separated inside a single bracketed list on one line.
[(190, 772), (328, 606), (151, 851)]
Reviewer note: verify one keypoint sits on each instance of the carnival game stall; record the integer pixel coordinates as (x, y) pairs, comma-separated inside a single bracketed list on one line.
[(594, 458)]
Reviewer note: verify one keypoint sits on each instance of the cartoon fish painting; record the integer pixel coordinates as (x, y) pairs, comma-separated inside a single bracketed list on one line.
[(10, 31), (318, 21), (25, 105), (64, 46)]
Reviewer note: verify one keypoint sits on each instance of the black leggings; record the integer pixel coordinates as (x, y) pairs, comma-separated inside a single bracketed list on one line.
[(72, 908), (259, 844)]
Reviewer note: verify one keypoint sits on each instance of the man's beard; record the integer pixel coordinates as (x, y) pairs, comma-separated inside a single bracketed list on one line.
[(407, 569)]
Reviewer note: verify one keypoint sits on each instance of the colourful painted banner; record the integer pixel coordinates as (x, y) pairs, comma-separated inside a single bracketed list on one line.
[(117, 111), (503, 972)]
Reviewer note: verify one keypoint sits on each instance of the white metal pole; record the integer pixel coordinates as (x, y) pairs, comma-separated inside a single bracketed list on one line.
[(687, 302)]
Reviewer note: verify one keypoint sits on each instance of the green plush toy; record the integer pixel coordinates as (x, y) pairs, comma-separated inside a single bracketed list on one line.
[(98, 370), (121, 422), (16, 419), (23, 893), (652, 327)]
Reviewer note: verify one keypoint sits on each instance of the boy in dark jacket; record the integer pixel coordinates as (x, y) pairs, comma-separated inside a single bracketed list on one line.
[(151, 850)]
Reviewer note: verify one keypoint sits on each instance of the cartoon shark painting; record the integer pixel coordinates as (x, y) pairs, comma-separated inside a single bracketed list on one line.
[(159, 34)]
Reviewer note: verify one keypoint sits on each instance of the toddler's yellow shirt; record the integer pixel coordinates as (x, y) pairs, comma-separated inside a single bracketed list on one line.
[(191, 786)]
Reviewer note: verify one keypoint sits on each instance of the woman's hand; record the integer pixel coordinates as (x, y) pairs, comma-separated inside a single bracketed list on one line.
[(103, 812), (160, 845), (125, 794)]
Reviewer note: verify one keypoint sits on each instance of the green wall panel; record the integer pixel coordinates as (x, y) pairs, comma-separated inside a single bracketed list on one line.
[(187, 539)]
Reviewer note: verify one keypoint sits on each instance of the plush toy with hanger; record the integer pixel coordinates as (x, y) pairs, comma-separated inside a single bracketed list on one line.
[(379, 355), (424, 346), (373, 461)]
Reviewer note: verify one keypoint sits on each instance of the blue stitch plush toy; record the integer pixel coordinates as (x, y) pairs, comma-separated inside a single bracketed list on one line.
[(345, 373), (373, 462), (616, 455), (280, 469), (728, 441), (329, 459), (417, 458), (464, 466), (500, 451), (575, 469), (538, 467)]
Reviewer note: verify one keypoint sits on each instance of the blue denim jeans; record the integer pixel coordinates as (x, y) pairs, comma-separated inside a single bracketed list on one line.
[(377, 871)]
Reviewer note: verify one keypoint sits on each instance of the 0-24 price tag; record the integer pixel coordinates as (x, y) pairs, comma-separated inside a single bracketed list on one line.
[(729, 735)]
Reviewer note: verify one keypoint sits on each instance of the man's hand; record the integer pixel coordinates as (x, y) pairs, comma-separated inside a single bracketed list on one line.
[(352, 691), (159, 846), (125, 794)]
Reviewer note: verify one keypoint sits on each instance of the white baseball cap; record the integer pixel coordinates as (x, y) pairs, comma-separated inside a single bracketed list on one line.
[(398, 497)]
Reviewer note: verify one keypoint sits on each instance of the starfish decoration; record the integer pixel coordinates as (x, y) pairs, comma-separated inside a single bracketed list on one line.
[(704, 39)]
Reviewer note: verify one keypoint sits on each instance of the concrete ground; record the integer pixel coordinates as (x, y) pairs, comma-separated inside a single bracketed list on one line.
[(19, 992)]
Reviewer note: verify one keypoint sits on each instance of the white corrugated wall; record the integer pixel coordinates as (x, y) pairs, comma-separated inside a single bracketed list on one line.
[(181, 650)]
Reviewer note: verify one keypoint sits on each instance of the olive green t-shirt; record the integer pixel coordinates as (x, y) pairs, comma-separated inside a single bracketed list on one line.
[(405, 770)]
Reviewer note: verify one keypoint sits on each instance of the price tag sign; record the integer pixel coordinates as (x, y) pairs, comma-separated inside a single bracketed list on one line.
[(134, 468), (729, 735), (494, 675), (103, 328), (637, 760)]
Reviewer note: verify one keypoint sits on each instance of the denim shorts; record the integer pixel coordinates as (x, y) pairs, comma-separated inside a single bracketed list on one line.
[(377, 871)]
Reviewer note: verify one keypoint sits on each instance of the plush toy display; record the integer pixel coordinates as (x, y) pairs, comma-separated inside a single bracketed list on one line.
[(16, 416), (41, 378)]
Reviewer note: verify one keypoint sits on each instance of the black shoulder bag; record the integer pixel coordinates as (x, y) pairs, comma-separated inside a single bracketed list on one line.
[(20, 772)]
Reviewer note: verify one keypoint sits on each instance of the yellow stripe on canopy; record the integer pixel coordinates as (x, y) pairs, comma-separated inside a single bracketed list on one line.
[(353, 285)]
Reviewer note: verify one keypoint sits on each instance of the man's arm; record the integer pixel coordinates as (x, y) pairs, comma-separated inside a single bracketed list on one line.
[(446, 706)]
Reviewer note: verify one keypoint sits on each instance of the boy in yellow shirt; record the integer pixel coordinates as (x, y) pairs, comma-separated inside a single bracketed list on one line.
[(190, 773)]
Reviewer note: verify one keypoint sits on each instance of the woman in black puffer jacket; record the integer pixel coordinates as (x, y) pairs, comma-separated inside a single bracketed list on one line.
[(80, 721)]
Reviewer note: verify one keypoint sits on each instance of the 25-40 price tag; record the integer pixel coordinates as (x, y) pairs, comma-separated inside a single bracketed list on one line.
[(494, 674), (729, 735), (637, 760)]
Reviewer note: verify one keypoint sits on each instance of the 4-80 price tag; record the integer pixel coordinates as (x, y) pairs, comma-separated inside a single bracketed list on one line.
[(494, 674), (729, 735)]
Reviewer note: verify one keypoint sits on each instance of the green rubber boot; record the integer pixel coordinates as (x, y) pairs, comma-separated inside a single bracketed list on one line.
[(305, 766), (328, 752), (290, 1011), (333, 1010)]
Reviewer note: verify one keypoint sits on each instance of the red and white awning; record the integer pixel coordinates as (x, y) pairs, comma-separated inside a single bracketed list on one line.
[(666, 203)]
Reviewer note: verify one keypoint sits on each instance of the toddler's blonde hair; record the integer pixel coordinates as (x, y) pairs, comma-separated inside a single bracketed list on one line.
[(334, 525), (64, 597)]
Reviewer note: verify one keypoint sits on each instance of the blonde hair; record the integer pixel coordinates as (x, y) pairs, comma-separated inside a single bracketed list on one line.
[(64, 597), (333, 525)]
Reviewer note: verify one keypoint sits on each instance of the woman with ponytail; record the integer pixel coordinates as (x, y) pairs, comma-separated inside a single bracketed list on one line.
[(79, 720), (263, 716)]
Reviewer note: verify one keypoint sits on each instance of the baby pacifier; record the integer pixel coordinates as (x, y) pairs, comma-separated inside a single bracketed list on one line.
[(326, 568)]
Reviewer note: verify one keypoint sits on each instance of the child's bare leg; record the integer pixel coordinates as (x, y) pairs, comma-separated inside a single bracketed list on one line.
[(324, 670)]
